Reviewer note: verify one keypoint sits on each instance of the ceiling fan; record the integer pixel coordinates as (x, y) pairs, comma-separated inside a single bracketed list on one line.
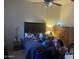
[(72, 0), (48, 3)]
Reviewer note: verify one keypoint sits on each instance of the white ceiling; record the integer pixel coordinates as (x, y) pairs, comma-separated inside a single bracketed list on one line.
[(63, 2)]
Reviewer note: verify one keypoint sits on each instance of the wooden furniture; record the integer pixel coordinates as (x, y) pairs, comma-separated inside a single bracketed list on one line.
[(68, 35), (64, 33)]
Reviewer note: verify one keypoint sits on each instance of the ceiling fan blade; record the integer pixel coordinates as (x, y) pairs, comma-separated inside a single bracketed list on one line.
[(57, 4)]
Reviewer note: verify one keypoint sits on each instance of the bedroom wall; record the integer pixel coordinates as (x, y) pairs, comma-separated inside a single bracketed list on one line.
[(16, 12)]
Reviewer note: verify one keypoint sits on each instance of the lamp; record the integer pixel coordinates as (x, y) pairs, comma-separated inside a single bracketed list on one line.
[(60, 23)]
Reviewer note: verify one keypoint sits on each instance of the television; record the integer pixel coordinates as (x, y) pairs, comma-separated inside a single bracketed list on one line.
[(34, 27)]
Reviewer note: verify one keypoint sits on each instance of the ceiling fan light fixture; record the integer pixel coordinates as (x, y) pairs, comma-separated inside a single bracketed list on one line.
[(48, 4)]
